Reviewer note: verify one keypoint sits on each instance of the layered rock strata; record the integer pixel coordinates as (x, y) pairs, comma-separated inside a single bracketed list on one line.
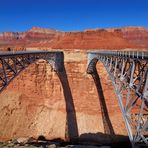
[(66, 105)]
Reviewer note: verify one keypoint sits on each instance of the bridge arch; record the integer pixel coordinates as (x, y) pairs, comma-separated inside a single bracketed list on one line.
[(128, 72), (14, 63), (11, 64)]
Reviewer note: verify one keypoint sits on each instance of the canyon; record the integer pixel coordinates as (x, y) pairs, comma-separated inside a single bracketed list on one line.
[(108, 38), (40, 102)]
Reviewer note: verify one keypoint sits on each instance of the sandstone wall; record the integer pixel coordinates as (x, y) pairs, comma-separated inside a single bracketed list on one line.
[(42, 102), (108, 38)]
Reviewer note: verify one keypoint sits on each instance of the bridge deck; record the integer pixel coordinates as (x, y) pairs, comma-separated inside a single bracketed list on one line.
[(32, 52), (125, 54)]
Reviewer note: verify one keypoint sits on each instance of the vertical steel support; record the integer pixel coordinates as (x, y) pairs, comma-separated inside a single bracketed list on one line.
[(4, 71)]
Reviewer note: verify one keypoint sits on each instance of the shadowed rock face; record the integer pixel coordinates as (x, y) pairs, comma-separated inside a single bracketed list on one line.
[(40, 102), (130, 37)]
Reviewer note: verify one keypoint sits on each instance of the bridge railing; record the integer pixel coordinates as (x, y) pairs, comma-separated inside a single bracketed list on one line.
[(126, 54)]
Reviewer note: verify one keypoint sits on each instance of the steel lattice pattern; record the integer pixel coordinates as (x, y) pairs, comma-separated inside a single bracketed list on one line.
[(11, 64), (129, 74), (127, 70)]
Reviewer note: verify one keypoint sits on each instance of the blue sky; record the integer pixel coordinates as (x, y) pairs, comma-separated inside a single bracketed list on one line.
[(71, 15)]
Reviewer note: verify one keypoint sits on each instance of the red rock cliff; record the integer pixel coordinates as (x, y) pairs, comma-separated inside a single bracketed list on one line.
[(114, 38), (92, 39), (136, 35), (40, 102), (22, 39)]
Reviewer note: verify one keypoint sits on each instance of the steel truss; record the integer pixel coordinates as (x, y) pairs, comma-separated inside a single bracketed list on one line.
[(129, 74), (12, 63)]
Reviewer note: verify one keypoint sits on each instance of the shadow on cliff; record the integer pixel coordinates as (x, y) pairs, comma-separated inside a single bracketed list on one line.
[(117, 141), (86, 140), (108, 128), (71, 125)]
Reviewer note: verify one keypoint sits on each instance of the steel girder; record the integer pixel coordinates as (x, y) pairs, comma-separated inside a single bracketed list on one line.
[(129, 74), (12, 63)]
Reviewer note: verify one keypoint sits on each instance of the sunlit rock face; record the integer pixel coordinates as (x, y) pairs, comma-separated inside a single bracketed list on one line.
[(137, 36), (66, 105), (92, 39), (111, 38), (19, 40), (33, 33), (33, 104)]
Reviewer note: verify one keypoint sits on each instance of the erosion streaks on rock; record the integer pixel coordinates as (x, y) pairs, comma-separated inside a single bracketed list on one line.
[(37, 104)]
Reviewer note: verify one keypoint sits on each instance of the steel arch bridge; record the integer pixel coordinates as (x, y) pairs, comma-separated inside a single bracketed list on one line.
[(12, 63), (128, 72)]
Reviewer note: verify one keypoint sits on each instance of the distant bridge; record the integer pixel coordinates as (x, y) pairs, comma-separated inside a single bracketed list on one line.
[(12, 63), (128, 72)]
